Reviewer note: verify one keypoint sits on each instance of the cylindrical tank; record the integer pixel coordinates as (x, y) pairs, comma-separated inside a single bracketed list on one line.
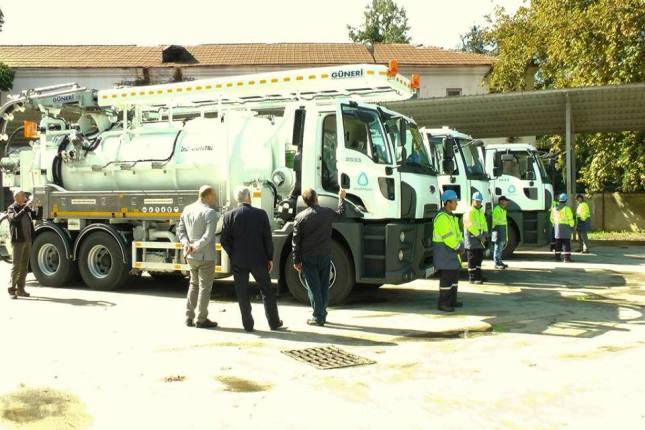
[(164, 156)]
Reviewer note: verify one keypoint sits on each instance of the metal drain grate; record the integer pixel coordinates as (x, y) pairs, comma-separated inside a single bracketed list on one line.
[(328, 357)]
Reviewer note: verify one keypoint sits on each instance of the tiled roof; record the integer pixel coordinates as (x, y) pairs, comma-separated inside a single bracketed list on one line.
[(252, 54)]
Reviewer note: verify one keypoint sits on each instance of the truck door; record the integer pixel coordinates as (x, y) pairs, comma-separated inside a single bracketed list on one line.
[(364, 155)]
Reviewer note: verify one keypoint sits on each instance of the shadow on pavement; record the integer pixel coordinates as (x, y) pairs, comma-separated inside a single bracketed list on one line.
[(307, 337)]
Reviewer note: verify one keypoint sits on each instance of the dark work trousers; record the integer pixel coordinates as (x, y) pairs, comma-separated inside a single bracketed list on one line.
[(316, 268), (563, 246), (475, 257), (448, 280), (20, 266), (263, 279)]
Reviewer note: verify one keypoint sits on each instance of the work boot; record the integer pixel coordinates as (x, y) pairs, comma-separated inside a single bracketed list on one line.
[(22, 293), (11, 291), (278, 326), (189, 322), (446, 308), (314, 321), (206, 324), (500, 266), (505, 265)]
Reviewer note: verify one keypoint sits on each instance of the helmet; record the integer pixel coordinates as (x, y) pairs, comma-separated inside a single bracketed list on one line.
[(478, 197), (449, 195), (563, 198)]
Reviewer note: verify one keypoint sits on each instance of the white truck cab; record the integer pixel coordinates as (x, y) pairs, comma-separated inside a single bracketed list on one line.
[(517, 172), (459, 160)]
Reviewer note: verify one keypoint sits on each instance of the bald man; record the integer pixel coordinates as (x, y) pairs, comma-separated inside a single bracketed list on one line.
[(21, 226), (196, 232)]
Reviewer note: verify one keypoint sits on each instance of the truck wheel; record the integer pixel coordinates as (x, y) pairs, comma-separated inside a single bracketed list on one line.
[(512, 243), (101, 263), (341, 280), (49, 262)]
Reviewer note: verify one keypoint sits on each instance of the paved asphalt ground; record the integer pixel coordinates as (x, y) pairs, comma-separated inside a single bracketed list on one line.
[(543, 345)]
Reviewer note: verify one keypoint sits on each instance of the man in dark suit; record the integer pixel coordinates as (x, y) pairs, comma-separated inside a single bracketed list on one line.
[(246, 238)]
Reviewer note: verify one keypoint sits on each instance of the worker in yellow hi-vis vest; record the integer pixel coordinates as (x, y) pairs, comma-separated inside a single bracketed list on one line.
[(447, 245), (583, 223), (499, 230), (563, 223), (475, 238)]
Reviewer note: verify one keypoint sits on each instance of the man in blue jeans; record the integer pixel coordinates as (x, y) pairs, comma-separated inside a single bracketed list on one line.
[(312, 250)]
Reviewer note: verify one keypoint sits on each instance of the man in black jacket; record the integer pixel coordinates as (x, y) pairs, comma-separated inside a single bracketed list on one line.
[(21, 227), (246, 238), (312, 250)]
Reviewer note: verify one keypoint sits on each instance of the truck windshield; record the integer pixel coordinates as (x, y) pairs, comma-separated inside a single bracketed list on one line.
[(411, 155), (519, 165), (472, 159)]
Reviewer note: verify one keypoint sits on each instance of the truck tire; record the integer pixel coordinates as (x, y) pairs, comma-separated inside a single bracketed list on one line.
[(341, 280), (101, 264), (513, 241), (49, 261)]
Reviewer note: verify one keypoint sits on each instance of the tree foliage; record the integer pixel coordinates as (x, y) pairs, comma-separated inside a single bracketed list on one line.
[(573, 43), (383, 22), (476, 41), (6, 77)]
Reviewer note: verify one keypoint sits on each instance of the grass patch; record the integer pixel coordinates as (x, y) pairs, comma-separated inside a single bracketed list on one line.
[(617, 235)]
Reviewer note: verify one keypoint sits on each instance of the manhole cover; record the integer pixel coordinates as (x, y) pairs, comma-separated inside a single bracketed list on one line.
[(328, 357)]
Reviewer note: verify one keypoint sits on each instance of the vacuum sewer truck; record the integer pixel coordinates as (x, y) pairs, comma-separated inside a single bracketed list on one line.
[(109, 184)]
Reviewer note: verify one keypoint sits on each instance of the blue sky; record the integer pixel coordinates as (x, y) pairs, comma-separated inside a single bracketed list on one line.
[(149, 22)]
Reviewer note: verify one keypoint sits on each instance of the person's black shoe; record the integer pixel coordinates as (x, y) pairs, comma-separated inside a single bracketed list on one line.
[(206, 324), (444, 308), (278, 326), (190, 322), (22, 293), (500, 267), (579, 250), (457, 304), (585, 251), (313, 321), (558, 258), (505, 265), (249, 329)]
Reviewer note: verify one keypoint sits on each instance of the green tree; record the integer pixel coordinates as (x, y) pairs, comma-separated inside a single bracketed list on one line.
[(476, 41), (6, 77), (573, 43), (383, 22)]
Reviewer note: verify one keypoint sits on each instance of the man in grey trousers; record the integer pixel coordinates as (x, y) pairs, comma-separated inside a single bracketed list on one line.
[(196, 232)]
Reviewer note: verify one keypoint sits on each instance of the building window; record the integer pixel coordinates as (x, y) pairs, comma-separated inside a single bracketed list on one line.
[(452, 92)]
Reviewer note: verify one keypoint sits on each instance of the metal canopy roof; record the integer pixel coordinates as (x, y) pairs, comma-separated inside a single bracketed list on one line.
[(593, 109)]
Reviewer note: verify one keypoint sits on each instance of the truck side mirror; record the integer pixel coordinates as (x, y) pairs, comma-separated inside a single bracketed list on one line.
[(497, 171), (447, 148), (530, 175), (448, 166), (298, 127)]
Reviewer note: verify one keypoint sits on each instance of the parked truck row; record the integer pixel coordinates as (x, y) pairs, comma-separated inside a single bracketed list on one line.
[(109, 185)]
